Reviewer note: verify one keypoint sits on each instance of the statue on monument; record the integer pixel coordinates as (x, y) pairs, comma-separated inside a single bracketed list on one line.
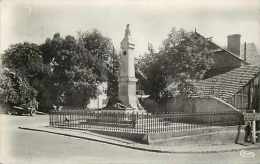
[(127, 31), (127, 40)]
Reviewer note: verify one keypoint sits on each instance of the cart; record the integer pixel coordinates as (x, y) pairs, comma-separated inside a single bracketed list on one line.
[(22, 109)]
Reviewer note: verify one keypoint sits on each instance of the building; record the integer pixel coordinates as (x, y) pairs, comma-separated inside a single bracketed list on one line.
[(235, 90), (238, 87), (224, 59), (250, 54), (231, 84), (101, 100)]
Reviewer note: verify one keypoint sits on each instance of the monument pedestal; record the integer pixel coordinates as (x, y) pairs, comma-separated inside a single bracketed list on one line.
[(127, 92), (127, 80), (128, 102)]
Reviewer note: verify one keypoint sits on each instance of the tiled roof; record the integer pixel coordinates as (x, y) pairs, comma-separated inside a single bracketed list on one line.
[(226, 85)]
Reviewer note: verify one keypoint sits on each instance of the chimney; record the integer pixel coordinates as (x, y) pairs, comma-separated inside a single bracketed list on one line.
[(233, 44)]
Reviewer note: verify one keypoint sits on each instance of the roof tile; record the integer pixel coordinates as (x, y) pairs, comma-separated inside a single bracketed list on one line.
[(226, 85)]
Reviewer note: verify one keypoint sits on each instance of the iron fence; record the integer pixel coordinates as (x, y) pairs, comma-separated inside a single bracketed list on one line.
[(141, 123)]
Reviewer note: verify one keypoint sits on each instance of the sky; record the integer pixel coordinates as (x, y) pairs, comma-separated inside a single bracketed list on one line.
[(150, 20)]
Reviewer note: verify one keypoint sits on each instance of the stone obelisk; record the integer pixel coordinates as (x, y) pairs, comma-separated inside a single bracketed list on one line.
[(127, 80)]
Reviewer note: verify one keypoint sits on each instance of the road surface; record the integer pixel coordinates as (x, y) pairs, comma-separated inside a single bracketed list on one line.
[(30, 147)]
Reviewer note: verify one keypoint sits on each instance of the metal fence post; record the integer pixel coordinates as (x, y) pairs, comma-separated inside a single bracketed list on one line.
[(254, 130)]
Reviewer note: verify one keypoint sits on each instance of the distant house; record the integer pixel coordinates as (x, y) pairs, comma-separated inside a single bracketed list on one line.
[(238, 87), (101, 100), (247, 51), (109, 65), (231, 84), (224, 59), (250, 54), (235, 90)]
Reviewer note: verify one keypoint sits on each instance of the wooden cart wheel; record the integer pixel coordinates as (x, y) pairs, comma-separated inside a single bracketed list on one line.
[(9, 112), (32, 112)]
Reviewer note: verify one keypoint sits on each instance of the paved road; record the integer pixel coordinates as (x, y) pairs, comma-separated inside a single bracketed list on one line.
[(30, 147)]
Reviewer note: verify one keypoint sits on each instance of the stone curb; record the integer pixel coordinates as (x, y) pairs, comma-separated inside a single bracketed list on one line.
[(142, 146)]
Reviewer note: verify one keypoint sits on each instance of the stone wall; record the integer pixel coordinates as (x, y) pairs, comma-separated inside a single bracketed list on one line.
[(181, 104), (214, 136), (198, 104)]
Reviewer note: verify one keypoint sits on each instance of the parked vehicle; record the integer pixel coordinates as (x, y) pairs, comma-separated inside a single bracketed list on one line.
[(22, 110), (28, 108)]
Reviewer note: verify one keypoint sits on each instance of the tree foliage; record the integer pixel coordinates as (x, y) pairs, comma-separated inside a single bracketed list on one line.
[(104, 58), (184, 56), (15, 89), (25, 66), (24, 58), (78, 65), (61, 71), (113, 74), (155, 82)]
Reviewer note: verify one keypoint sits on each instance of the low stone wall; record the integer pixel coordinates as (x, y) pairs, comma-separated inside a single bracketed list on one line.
[(137, 137), (213, 135), (198, 105), (216, 136)]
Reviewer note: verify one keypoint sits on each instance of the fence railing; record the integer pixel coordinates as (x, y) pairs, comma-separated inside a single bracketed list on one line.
[(141, 122)]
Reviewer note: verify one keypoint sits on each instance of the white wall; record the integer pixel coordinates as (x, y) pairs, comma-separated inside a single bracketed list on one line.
[(101, 100)]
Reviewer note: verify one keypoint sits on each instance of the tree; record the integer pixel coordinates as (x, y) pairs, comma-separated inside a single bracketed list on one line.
[(61, 71), (51, 92), (189, 53), (101, 51), (77, 66), (24, 58), (103, 58), (182, 58), (15, 90), (25, 66), (113, 74), (155, 82), (72, 72)]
